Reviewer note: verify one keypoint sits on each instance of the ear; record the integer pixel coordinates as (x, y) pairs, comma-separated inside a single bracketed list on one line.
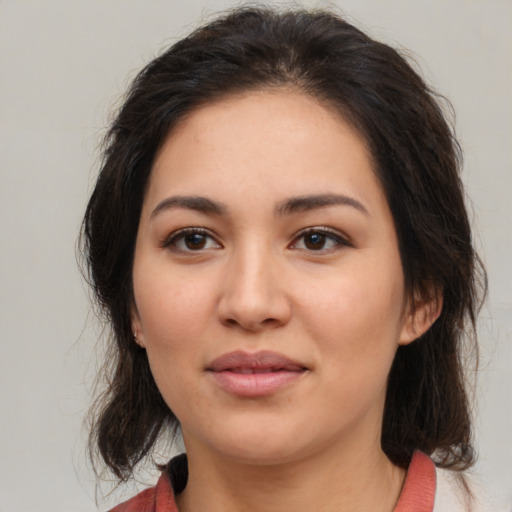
[(138, 334), (420, 316)]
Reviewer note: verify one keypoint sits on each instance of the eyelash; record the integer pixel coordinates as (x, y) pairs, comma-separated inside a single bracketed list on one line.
[(180, 235), (325, 232)]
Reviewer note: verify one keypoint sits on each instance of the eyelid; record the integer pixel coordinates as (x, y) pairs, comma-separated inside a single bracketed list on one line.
[(342, 240), (169, 241)]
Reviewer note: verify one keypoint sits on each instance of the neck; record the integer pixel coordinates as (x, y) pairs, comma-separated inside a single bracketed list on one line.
[(351, 481)]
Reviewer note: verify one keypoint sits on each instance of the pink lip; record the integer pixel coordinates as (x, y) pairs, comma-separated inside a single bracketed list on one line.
[(251, 375)]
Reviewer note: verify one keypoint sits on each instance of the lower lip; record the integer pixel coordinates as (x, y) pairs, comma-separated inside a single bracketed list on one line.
[(255, 384)]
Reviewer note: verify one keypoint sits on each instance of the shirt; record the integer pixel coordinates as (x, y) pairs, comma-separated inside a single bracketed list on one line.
[(418, 493)]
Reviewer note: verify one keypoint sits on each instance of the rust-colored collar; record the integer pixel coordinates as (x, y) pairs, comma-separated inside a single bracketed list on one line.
[(419, 489)]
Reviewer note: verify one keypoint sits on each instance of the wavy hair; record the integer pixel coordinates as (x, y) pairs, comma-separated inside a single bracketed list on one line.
[(416, 158)]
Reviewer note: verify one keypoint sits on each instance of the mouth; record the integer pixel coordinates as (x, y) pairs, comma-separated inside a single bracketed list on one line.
[(251, 375)]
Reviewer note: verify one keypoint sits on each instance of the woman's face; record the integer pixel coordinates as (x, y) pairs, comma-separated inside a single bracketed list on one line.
[(268, 285)]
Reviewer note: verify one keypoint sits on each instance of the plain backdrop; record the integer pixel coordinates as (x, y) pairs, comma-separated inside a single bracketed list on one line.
[(63, 66)]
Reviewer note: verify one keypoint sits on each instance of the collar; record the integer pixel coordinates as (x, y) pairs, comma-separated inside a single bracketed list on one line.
[(418, 492)]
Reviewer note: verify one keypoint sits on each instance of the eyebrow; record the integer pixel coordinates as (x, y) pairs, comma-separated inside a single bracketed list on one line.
[(197, 203), (312, 202), (286, 207)]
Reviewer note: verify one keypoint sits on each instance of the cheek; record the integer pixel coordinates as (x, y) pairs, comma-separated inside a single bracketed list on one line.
[(172, 310), (356, 320), (173, 317), (356, 337), (172, 327), (371, 302)]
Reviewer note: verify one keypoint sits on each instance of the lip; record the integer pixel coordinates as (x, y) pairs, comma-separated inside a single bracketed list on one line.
[(258, 374)]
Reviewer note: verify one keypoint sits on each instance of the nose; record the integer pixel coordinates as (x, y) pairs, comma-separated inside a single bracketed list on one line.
[(254, 292)]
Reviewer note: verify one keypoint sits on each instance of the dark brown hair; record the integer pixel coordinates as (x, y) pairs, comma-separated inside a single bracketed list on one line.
[(416, 158)]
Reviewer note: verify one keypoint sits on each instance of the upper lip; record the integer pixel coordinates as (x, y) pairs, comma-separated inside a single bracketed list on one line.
[(263, 360)]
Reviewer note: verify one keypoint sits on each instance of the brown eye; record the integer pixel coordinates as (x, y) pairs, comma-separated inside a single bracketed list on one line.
[(320, 240), (190, 240), (195, 241), (315, 241)]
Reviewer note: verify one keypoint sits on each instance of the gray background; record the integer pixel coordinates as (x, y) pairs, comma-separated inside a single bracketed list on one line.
[(63, 66)]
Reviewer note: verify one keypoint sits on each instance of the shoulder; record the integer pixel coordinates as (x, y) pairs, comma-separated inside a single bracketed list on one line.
[(143, 502), (155, 499), (433, 489)]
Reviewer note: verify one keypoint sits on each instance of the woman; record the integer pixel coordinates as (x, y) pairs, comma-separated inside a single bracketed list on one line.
[(279, 240)]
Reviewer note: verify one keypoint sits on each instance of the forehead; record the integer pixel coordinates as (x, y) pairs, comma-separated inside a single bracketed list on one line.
[(267, 141)]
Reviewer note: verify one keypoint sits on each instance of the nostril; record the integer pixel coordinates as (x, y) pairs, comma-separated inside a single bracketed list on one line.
[(253, 311), (251, 325)]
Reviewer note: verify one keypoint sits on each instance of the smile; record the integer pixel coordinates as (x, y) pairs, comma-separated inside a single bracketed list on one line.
[(247, 371), (253, 375)]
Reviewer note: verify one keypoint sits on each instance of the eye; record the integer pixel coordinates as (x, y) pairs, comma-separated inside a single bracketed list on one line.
[(319, 239), (190, 240)]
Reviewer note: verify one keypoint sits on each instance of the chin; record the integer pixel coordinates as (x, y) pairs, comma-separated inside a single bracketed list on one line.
[(263, 454), (255, 442)]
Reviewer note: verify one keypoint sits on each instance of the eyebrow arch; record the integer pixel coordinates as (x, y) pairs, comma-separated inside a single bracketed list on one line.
[(311, 202), (197, 203)]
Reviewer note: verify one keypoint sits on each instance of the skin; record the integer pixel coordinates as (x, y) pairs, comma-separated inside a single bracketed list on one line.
[(335, 303)]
